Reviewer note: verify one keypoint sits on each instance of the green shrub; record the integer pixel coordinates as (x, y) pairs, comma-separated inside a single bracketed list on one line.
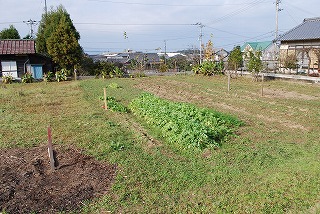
[(208, 68), (117, 72), (62, 75), (48, 77), (114, 105), (27, 78), (138, 75), (7, 79), (104, 69), (163, 68), (114, 85)]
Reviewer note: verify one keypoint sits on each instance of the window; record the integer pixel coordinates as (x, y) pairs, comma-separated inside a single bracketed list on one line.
[(9, 68)]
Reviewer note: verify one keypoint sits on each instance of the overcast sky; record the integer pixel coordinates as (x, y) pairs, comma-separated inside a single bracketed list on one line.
[(148, 24)]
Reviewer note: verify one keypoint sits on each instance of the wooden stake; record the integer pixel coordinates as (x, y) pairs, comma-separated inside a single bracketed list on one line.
[(105, 98), (50, 149), (262, 85), (229, 79), (75, 73)]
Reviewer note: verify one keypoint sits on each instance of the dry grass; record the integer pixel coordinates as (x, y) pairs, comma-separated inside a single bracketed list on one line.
[(272, 167)]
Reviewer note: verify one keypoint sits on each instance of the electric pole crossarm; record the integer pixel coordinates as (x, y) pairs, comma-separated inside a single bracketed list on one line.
[(31, 23), (200, 39), (277, 18)]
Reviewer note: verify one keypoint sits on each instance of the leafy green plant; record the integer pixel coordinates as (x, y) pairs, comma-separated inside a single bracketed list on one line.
[(208, 68), (184, 123), (117, 146), (27, 78), (8, 79), (104, 69), (114, 105), (139, 74), (114, 85), (118, 72), (62, 75), (48, 77)]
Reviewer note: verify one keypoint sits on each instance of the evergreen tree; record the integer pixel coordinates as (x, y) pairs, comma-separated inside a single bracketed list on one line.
[(58, 38), (235, 58), (255, 64), (63, 46), (9, 33)]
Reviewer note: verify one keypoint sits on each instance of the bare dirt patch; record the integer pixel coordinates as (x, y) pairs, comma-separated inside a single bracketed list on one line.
[(273, 93), (27, 183)]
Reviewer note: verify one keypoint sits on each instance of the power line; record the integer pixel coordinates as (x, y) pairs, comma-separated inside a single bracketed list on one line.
[(295, 21), (236, 12), (133, 24), (144, 41), (301, 9), (4, 23), (167, 5), (235, 34), (259, 37)]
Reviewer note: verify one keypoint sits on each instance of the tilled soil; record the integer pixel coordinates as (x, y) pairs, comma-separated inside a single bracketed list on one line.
[(27, 183)]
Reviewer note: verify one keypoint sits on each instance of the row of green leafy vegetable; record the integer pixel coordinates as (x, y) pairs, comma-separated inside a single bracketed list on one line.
[(184, 123), (181, 123)]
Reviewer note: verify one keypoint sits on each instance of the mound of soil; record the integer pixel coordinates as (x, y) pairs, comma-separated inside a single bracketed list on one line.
[(27, 184)]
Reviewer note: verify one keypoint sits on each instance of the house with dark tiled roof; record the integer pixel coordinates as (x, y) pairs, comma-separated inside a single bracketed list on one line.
[(303, 41), (18, 57)]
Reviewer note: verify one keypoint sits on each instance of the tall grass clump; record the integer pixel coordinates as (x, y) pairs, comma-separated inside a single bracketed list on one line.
[(185, 123)]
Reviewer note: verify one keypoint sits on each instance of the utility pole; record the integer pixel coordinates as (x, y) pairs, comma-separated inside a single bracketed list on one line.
[(31, 23), (276, 53), (277, 18), (45, 7), (165, 52), (200, 39)]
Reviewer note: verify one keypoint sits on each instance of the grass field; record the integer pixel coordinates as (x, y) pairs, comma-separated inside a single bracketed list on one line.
[(271, 166)]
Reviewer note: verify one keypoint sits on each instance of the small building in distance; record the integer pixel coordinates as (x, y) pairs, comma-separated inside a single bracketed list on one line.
[(268, 51), (18, 57), (145, 60)]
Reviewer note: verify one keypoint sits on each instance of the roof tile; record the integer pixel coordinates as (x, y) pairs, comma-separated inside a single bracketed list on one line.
[(309, 29), (9, 46)]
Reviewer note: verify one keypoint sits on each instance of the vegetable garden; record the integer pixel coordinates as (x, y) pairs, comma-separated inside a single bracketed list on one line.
[(184, 123), (180, 144)]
